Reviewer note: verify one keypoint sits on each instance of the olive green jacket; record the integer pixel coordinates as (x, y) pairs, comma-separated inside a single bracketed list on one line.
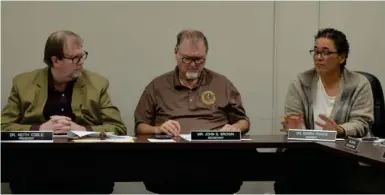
[(91, 103)]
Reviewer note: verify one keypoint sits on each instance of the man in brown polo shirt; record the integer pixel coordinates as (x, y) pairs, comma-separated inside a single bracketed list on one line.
[(190, 97)]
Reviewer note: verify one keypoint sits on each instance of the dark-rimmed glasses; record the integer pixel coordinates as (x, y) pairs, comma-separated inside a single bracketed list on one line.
[(78, 59), (324, 53), (189, 60)]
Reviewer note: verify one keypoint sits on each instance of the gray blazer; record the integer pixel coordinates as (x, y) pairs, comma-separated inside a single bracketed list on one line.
[(353, 108)]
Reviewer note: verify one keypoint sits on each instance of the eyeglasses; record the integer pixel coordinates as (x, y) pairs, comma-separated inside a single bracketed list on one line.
[(324, 53), (78, 59), (189, 60)]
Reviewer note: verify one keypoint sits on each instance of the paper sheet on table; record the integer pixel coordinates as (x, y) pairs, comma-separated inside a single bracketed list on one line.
[(116, 139), (377, 141), (161, 140), (186, 136), (81, 134)]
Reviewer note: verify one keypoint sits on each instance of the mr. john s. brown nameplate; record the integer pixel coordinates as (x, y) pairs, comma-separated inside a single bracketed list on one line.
[(311, 135), (27, 136), (208, 135)]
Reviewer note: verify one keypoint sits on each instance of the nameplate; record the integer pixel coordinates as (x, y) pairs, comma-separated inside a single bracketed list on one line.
[(27, 136), (208, 135), (311, 135), (352, 144)]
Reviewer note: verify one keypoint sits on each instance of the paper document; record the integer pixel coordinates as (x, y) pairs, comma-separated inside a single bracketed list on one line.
[(116, 139), (377, 141), (81, 134), (161, 140), (186, 136)]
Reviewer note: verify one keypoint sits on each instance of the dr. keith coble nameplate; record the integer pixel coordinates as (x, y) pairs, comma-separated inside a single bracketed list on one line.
[(208, 135), (311, 135), (27, 136)]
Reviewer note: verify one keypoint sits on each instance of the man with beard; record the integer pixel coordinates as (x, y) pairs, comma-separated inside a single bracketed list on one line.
[(59, 98), (188, 98)]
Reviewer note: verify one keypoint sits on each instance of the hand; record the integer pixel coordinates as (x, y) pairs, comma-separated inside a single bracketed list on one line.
[(292, 122), (77, 127), (55, 123), (329, 124), (228, 127), (169, 127), (61, 124)]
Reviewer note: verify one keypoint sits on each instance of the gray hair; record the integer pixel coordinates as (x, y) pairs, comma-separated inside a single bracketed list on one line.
[(193, 35)]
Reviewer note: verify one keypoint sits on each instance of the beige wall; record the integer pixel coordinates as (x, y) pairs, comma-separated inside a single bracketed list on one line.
[(260, 46), (132, 42)]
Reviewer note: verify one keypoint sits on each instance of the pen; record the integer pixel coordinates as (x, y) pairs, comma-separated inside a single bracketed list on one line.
[(370, 139)]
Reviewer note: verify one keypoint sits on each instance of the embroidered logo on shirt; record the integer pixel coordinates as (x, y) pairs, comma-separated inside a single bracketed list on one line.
[(208, 97)]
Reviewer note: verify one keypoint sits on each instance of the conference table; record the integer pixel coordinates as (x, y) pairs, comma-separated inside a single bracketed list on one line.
[(256, 158)]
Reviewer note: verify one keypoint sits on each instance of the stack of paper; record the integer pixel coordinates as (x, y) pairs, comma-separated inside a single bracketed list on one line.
[(161, 140), (90, 137), (117, 139), (88, 134)]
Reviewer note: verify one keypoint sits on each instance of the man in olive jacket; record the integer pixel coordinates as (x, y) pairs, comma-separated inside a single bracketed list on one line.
[(29, 108), (60, 98)]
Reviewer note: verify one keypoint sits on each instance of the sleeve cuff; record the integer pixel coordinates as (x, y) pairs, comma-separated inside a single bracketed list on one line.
[(35, 128), (349, 130)]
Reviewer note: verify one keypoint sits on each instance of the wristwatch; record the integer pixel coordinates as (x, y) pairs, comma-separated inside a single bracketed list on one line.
[(341, 131)]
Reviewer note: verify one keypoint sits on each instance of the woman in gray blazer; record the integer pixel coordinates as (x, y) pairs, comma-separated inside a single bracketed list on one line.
[(329, 96), (326, 97)]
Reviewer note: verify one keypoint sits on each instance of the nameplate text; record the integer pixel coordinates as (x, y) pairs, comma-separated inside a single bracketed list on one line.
[(352, 144), (208, 135), (311, 135), (27, 136)]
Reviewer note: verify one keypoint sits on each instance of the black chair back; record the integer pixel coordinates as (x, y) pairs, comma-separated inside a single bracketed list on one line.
[(378, 128)]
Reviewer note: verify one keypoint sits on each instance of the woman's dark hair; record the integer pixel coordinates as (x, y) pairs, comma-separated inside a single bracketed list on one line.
[(339, 39)]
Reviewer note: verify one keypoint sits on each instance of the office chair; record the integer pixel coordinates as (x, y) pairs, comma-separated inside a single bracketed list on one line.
[(378, 128)]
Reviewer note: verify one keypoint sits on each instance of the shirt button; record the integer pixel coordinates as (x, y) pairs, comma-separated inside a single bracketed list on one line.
[(62, 109), (62, 94)]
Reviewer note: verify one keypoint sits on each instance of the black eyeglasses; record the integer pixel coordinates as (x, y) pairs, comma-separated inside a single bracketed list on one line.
[(323, 53), (189, 60), (77, 59)]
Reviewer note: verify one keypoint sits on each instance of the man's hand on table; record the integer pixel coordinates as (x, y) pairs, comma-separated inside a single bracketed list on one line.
[(61, 124), (169, 127)]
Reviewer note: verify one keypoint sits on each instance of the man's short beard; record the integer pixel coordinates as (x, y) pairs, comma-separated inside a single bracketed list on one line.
[(192, 75)]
